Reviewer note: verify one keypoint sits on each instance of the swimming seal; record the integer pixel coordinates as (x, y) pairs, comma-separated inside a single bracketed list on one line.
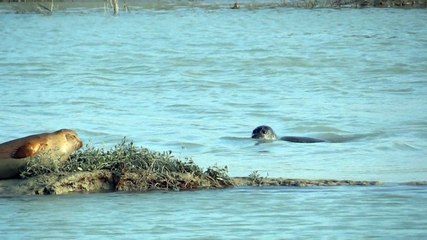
[(57, 146), (266, 133)]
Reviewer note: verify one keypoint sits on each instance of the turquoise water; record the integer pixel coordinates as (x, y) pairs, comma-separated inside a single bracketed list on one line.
[(388, 212), (196, 81)]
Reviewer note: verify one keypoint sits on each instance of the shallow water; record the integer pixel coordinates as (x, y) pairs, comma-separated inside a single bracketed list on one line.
[(249, 213), (197, 81)]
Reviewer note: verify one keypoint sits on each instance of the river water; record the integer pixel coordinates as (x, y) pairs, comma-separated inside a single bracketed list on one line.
[(197, 81)]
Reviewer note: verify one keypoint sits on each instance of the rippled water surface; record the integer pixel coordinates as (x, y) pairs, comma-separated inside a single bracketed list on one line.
[(197, 80), (389, 212)]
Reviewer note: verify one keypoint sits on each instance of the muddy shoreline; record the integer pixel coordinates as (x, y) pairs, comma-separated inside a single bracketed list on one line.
[(48, 7), (143, 181), (105, 181), (131, 168)]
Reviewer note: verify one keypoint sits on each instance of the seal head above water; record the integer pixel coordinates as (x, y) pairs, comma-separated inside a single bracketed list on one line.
[(266, 133), (56, 146)]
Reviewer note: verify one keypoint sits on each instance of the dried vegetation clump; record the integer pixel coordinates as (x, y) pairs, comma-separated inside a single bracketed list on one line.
[(125, 167)]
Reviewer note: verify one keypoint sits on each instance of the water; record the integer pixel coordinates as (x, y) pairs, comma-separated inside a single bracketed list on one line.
[(197, 80), (249, 213)]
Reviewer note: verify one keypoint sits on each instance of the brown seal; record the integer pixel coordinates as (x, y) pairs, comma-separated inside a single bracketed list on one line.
[(58, 145)]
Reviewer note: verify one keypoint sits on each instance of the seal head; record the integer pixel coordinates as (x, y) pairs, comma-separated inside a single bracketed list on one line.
[(264, 133), (55, 148)]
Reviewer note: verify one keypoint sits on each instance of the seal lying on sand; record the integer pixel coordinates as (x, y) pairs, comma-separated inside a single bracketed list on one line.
[(57, 146), (266, 133)]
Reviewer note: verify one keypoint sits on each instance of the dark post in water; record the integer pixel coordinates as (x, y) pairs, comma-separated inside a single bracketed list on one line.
[(115, 4)]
